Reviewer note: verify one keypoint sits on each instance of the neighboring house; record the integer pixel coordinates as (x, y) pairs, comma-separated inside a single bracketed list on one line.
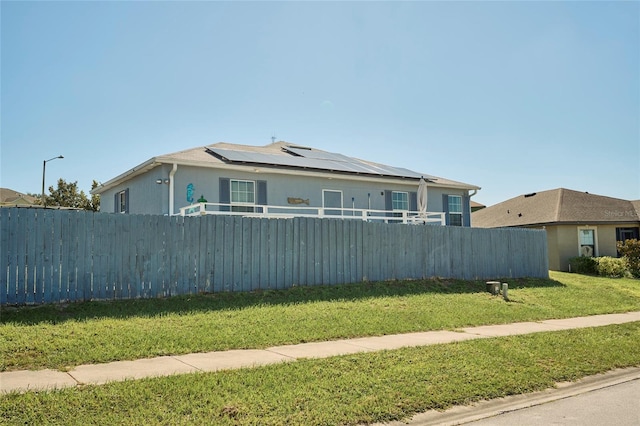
[(577, 223), (475, 206), (11, 198), (280, 177)]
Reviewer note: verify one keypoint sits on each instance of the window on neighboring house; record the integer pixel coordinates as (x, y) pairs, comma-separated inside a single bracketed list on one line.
[(587, 242), (455, 210), (624, 234), (243, 195)]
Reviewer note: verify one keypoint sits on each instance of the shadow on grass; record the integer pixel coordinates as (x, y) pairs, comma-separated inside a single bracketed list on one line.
[(122, 309)]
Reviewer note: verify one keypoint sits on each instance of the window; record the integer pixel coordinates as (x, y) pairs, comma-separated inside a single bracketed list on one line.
[(242, 195), (624, 234), (399, 203), (586, 242), (332, 198), (121, 202), (455, 210), (400, 200)]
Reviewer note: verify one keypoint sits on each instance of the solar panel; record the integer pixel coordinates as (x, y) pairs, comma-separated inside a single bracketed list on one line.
[(310, 159), (319, 155), (247, 156)]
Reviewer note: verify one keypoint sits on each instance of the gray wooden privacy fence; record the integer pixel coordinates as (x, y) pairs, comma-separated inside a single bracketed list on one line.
[(56, 255)]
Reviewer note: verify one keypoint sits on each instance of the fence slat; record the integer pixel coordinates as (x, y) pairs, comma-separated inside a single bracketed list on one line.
[(202, 255), (89, 237), (272, 250), (34, 289), (5, 253), (245, 258), (288, 247), (310, 261), (24, 293), (342, 238), (296, 253), (66, 262), (77, 225), (14, 295), (218, 258), (254, 254)]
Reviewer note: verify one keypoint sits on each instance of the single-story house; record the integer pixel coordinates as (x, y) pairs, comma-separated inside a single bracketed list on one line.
[(577, 223), (281, 179)]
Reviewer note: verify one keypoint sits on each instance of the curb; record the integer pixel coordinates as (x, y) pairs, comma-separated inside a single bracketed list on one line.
[(484, 409)]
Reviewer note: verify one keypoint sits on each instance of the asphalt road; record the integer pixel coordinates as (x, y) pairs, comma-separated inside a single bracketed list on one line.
[(609, 399), (617, 405)]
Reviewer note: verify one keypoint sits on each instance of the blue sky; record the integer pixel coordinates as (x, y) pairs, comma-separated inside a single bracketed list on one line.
[(514, 97)]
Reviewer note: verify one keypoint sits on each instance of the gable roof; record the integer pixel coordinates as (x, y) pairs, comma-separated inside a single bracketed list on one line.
[(554, 207), (11, 197), (281, 156)]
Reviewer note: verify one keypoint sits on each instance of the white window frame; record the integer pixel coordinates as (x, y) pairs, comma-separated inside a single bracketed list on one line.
[(241, 203), (122, 201), (595, 239), (451, 213), (393, 200)]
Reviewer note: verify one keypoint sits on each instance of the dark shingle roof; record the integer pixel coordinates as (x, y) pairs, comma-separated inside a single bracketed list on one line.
[(556, 206)]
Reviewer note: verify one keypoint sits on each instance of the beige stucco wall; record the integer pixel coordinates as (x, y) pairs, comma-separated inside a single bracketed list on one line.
[(567, 245), (552, 248), (562, 242), (607, 238)]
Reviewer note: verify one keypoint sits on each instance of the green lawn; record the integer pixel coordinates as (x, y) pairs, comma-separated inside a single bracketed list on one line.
[(353, 389), (61, 337)]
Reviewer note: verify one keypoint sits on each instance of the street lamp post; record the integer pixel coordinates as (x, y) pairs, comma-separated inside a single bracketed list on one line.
[(44, 168)]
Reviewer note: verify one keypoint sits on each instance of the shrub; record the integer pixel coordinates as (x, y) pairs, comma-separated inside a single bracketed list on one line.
[(630, 250), (611, 266), (583, 265)]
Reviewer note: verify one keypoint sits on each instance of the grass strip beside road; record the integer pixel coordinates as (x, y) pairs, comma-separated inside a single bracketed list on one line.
[(353, 389), (61, 337)]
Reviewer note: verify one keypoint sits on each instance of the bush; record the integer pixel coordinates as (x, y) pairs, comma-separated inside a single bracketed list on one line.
[(583, 265), (630, 250), (611, 266)]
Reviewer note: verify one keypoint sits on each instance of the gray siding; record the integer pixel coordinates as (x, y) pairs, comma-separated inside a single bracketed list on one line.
[(145, 195), (57, 255), (148, 197)]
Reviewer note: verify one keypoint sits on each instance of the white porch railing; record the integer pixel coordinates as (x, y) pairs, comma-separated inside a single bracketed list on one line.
[(288, 212)]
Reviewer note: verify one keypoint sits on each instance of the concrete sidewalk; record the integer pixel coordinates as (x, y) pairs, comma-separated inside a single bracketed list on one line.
[(21, 381)]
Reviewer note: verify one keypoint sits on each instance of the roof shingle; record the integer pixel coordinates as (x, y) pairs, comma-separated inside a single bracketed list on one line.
[(556, 206)]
